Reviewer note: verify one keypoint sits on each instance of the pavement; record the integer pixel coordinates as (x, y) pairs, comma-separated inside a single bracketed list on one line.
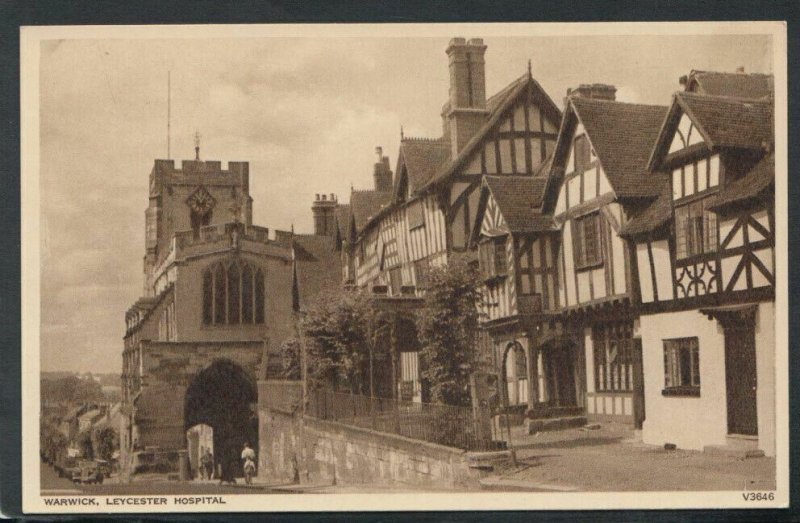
[(612, 459)]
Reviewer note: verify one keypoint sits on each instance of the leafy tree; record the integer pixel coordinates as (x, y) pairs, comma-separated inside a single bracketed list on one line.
[(336, 329), (71, 389), (107, 442), (290, 359), (447, 326)]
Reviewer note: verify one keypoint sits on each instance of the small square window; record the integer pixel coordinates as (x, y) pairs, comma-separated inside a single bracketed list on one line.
[(681, 367)]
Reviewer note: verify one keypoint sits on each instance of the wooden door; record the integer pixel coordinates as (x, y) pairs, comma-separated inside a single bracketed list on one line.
[(740, 378), (638, 384)]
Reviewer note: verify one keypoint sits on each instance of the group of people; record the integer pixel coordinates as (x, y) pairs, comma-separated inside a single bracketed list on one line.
[(227, 470)]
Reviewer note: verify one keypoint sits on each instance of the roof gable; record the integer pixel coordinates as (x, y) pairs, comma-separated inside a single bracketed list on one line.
[(366, 204), (497, 106), (738, 85), (418, 161), (722, 121), (512, 203)]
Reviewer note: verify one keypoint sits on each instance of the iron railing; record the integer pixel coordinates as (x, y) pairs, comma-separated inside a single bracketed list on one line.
[(447, 425)]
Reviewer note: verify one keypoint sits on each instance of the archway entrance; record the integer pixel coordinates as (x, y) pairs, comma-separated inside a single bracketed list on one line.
[(223, 397)]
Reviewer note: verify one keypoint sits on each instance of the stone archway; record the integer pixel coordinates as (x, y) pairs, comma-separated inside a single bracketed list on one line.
[(223, 396)]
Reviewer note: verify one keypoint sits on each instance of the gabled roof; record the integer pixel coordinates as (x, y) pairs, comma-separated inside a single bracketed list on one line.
[(519, 199), (366, 204), (739, 85), (729, 122), (422, 158), (318, 266), (622, 135), (496, 106), (654, 215), (748, 187)]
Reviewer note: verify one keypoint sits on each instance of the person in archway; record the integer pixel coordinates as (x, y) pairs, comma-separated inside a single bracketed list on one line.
[(227, 468), (206, 465), (249, 463)]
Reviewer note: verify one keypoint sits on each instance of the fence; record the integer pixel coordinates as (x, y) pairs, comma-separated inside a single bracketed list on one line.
[(442, 424)]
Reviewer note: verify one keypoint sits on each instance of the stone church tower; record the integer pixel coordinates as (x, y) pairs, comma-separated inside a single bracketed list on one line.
[(216, 304)]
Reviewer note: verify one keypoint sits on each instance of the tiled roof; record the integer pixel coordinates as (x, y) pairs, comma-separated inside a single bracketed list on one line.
[(422, 158), (623, 136), (318, 265), (749, 186), (739, 85), (366, 204), (519, 198), (729, 122), (654, 215), (496, 105)]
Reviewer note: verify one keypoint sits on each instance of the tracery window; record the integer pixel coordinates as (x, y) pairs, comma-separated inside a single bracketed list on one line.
[(233, 293)]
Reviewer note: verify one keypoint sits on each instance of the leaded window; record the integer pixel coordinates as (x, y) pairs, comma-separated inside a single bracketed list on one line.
[(613, 357), (682, 367), (695, 229), (233, 293)]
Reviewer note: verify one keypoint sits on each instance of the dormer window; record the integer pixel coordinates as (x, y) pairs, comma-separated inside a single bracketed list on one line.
[(493, 261), (586, 241)]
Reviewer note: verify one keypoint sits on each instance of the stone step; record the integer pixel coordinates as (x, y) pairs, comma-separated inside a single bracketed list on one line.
[(733, 451), (545, 424)]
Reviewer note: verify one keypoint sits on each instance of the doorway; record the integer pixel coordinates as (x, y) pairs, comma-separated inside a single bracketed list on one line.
[(740, 379), (223, 397)]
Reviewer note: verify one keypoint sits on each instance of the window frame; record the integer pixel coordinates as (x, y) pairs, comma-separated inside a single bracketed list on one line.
[(674, 350), (618, 379), (579, 247), (693, 243), (493, 258), (220, 312)]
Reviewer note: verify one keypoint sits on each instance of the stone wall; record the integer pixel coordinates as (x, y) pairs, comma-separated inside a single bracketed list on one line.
[(294, 447)]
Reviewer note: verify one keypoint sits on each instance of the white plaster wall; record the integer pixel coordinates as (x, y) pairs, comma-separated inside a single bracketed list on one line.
[(765, 376), (688, 422)]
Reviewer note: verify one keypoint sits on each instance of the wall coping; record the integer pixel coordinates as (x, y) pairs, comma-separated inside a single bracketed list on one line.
[(414, 444)]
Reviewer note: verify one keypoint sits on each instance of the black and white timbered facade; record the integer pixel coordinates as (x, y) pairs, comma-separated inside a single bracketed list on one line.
[(706, 271), (435, 196)]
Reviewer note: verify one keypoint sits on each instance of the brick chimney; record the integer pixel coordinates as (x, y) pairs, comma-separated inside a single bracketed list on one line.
[(324, 211), (465, 112), (382, 173), (595, 91)]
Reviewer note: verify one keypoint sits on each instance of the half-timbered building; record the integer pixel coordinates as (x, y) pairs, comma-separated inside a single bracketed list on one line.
[(518, 250), (705, 250), (434, 200), (596, 180)]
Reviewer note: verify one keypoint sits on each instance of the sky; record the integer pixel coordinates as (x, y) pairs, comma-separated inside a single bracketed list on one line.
[(307, 113)]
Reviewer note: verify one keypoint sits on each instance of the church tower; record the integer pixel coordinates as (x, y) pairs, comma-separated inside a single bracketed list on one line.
[(198, 194)]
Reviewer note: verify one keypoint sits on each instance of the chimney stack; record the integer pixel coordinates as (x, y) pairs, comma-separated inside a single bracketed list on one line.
[(465, 112), (382, 173), (592, 91), (324, 212)]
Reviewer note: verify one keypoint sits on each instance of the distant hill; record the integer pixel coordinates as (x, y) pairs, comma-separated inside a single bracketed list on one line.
[(108, 378)]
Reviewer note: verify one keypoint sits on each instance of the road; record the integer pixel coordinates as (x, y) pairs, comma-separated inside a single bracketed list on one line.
[(52, 485)]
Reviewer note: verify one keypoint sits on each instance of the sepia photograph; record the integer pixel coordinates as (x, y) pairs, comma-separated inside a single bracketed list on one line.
[(350, 266)]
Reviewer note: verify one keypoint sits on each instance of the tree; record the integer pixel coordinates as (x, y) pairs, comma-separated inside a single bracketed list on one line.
[(290, 359), (336, 328), (107, 442), (447, 326)]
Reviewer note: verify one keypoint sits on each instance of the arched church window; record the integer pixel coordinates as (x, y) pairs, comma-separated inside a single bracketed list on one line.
[(247, 294), (233, 293), (219, 295), (208, 297), (234, 296), (259, 290)]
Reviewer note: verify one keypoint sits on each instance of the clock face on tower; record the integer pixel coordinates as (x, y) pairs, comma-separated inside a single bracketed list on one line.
[(201, 202)]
